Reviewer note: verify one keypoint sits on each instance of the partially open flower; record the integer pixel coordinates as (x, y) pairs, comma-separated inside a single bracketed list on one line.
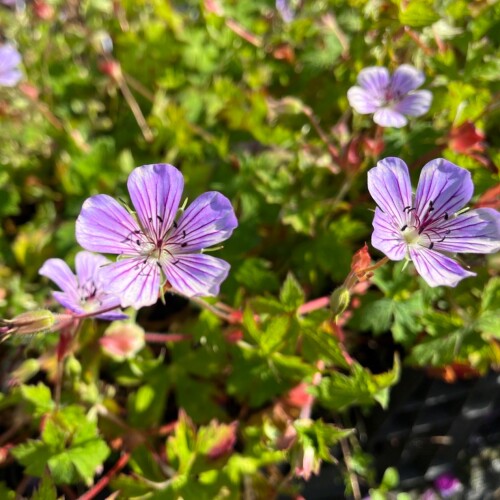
[(87, 291)]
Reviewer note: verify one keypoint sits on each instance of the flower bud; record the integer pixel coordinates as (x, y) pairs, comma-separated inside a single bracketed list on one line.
[(339, 301), (32, 322), (122, 340)]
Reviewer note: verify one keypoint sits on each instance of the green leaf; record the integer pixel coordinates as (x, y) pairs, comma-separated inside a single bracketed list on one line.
[(291, 294), (361, 387), (418, 13), (69, 445), (39, 398)]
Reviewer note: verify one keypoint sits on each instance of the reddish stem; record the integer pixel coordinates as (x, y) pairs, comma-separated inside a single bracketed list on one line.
[(161, 338), (314, 305), (104, 481)]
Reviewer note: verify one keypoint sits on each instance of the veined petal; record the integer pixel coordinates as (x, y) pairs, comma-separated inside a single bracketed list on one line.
[(208, 220), (69, 301), (155, 191), (437, 269), (362, 101), (387, 237), (405, 79), (195, 275), (389, 117), (374, 79), (415, 104), (477, 231), (88, 264), (59, 272), (444, 184), (105, 226), (136, 281), (105, 301), (389, 185)]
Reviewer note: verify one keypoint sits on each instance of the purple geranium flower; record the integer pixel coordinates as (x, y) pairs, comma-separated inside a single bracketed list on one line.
[(390, 98), (86, 292), (10, 59), (153, 241), (426, 226)]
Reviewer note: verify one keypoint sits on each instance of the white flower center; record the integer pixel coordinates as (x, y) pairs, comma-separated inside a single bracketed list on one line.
[(411, 235)]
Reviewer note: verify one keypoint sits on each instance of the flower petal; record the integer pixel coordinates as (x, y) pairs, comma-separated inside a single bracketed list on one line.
[(195, 275), (389, 185), (106, 301), (88, 264), (405, 79), (444, 184), (9, 57), (386, 237), (68, 301), (10, 78), (477, 231), (135, 281), (208, 220), (374, 79), (105, 226), (155, 191), (363, 101), (415, 104), (59, 272), (437, 269), (388, 117)]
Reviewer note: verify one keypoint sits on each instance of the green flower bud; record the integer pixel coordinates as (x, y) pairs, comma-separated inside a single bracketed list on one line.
[(339, 301)]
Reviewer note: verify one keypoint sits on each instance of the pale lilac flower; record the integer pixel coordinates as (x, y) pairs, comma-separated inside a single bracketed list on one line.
[(285, 10), (10, 59), (428, 225), (390, 98), (87, 291), (154, 242)]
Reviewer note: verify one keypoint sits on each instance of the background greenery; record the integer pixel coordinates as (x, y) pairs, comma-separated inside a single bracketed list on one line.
[(253, 106)]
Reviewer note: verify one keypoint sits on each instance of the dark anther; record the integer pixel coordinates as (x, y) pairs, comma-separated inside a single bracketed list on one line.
[(431, 245), (421, 230), (445, 216), (431, 203), (159, 218), (184, 245), (158, 264), (404, 227), (406, 208), (138, 242), (150, 219), (137, 231), (175, 262), (183, 234)]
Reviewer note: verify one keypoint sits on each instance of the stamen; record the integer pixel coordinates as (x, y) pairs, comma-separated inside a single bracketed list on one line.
[(404, 227), (184, 244), (446, 216), (159, 218), (431, 245), (175, 225)]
